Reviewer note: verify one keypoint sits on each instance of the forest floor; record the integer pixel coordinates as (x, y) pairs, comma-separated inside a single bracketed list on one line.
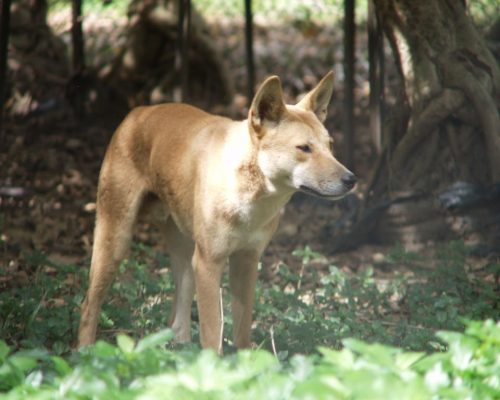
[(50, 165)]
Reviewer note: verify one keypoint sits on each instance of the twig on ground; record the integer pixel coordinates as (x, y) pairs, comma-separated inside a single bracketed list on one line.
[(301, 274), (221, 320), (271, 331)]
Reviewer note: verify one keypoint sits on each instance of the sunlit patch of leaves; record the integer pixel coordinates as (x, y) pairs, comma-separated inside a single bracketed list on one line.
[(148, 369), (402, 312), (307, 311), (304, 308)]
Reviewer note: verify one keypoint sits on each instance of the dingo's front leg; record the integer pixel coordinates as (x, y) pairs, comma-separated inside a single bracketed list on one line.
[(181, 250), (242, 277), (207, 276)]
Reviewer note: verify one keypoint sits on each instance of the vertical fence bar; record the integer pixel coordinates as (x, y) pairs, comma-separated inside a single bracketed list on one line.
[(78, 56), (182, 50), (4, 40), (376, 76), (249, 49), (186, 28), (349, 51)]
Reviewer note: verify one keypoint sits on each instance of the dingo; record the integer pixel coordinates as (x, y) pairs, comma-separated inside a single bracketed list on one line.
[(219, 186)]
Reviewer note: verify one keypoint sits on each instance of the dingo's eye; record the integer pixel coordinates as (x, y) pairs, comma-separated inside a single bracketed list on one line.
[(305, 148)]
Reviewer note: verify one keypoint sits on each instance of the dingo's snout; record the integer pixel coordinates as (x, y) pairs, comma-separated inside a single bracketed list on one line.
[(331, 188), (349, 180)]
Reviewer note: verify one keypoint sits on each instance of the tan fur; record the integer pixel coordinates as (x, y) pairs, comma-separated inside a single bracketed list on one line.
[(216, 188)]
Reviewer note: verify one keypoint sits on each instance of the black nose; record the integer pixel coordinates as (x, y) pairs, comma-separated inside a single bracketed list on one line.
[(349, 180)]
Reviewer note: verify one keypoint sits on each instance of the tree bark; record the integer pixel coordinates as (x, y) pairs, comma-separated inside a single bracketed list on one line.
[(448, 73), (445, 124)]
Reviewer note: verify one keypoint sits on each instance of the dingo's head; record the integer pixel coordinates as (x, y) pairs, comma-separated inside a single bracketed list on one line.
[(294, 148)]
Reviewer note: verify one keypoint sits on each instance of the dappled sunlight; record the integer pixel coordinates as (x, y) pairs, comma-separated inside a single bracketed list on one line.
[(351, 295)]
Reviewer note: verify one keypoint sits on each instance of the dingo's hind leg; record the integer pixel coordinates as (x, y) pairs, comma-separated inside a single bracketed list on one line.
[(118, 203)]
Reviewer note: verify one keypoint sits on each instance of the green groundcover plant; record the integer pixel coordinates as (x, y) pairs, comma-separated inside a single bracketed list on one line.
[(468, 368)]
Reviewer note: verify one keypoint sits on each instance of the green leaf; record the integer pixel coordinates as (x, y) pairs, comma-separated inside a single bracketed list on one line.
[(343, 358), (306, 254), (60, 365), (154, 340), (256, 361), (125, 343), (100, 349), (461, 348), (377, 353), (406, 360), (436, 377), (321, 387), (23, 362), (35, 379), (4, 350)]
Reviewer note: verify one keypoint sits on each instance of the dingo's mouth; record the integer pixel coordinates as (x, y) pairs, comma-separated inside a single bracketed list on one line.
[(314, 192)]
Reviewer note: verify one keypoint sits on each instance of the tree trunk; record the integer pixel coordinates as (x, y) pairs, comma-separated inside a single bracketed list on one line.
[(444, 127)]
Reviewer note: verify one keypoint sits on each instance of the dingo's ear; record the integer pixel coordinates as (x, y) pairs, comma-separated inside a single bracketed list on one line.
[(267, 105), (317, 99)]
